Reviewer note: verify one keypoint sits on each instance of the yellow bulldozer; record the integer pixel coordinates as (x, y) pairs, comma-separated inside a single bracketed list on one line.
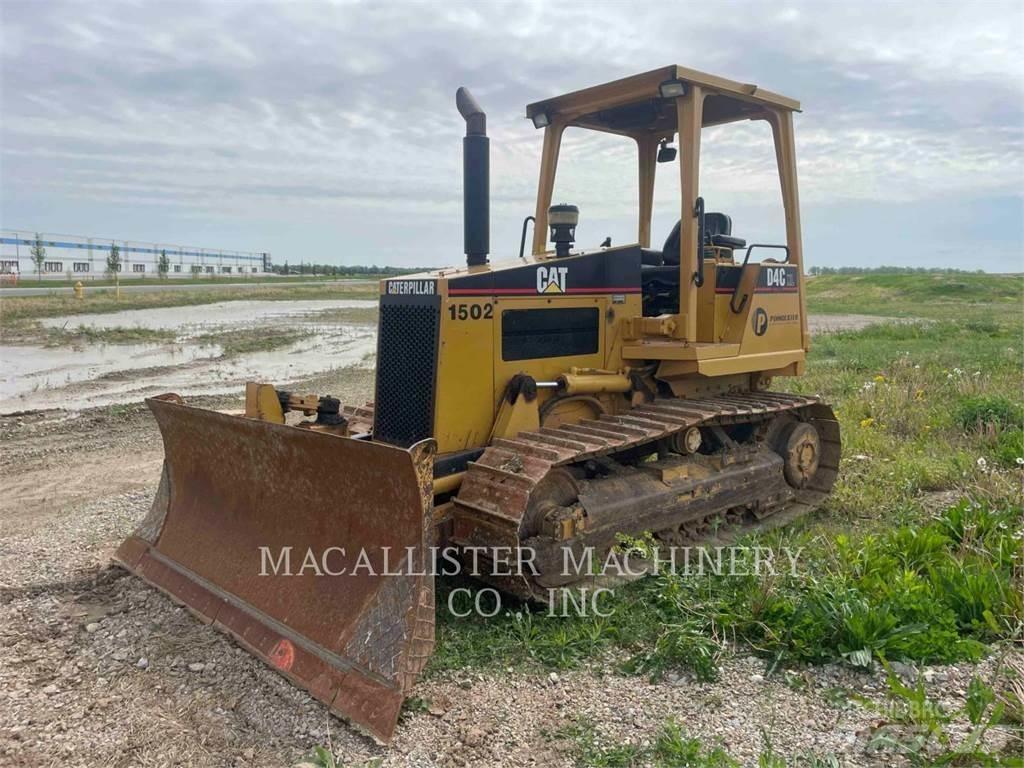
[(541, 405)]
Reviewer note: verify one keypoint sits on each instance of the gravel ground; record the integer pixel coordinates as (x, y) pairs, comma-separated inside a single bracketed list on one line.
[(99, 669), (830, 323), (102, 670)]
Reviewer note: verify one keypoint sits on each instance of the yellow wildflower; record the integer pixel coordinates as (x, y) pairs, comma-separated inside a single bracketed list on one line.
[(867, 422)]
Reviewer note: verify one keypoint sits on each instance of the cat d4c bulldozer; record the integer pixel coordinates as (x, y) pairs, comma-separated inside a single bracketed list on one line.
[(548, 403)]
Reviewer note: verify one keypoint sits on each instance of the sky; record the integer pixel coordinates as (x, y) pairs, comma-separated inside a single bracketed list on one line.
[(327, 132)]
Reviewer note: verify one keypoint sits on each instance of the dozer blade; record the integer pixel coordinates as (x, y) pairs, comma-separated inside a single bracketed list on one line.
[(232, 485)]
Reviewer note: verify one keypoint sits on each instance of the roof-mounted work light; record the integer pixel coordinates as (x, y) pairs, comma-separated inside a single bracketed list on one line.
[(541, 120), (671, 89)]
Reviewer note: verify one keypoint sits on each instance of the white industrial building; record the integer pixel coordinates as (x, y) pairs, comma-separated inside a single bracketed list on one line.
[(84, 258)]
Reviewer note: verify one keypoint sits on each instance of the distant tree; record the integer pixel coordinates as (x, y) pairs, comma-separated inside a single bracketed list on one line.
[(163, 265), (38, 256), (888, 270), (113, 260)]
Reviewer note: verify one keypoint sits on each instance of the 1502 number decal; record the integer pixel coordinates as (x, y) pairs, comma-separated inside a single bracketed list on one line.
[(471, 311)]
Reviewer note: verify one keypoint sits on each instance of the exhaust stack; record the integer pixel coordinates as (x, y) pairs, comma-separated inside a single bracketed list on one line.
[(476, 180)]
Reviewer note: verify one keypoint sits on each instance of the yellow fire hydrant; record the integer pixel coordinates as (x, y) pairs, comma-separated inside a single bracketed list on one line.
[(79, 290)]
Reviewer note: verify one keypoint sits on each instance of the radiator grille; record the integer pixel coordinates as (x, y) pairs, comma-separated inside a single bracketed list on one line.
[(406, 371)]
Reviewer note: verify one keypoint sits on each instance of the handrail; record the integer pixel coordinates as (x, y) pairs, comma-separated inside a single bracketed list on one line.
[(698, 211), (732, 299), (522, 240)]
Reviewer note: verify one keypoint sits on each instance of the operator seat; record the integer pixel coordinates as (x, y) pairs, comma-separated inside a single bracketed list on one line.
[(659, 271), (717, 232)]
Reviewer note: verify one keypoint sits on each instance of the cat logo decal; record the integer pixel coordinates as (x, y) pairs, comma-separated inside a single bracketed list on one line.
[(551, 279)]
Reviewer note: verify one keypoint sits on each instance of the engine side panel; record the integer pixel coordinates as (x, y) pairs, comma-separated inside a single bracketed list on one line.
[(495, 324)]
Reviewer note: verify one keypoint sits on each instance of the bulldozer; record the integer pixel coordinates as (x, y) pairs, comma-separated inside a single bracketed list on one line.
[(543, 404)]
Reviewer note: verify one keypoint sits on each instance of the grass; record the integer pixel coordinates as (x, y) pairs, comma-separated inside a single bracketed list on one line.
[(910, 723), (670, 747), (984, 297), (933, 592), (898, 390), (232, 342), (83, 334), (917, 726), (241, 342)]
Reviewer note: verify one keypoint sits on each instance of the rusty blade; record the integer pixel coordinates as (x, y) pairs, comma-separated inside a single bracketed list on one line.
[(232, 485)]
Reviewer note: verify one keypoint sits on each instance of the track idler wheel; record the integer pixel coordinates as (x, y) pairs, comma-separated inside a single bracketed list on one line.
[(800, 447)]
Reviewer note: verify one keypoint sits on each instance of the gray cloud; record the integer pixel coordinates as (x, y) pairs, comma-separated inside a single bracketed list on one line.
[(273, 126)]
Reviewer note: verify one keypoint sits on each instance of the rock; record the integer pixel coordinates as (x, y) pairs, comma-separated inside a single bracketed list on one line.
[(119, 655), (474, 737), (51, 690), (142, 663), (196, 666), (906, 671), (553, 678), (92, 627), (248, 753), (757, 678), (438, 706)]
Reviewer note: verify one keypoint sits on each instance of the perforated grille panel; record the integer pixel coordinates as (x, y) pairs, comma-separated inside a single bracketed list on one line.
[(406, 369)]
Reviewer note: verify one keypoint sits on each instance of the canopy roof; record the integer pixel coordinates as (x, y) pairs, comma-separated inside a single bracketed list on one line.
[(633, 105)]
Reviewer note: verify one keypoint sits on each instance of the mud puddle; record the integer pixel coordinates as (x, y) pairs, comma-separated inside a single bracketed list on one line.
[(327, 335)]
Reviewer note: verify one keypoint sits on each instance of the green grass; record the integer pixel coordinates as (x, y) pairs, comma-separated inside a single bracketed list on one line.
[(917, 726), (232, 342), (670, 747), (932, 592), (995, 299), (83, 334), (900, 392), (241, 342)]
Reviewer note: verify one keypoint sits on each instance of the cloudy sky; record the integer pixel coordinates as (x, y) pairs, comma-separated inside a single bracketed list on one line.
[(328, 131)]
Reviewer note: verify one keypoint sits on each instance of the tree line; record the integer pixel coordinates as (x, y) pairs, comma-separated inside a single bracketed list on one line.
[(891, 271), (342, 270)]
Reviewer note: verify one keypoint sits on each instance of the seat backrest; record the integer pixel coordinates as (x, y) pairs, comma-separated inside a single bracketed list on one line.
[(714, 224), (717, 224)]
